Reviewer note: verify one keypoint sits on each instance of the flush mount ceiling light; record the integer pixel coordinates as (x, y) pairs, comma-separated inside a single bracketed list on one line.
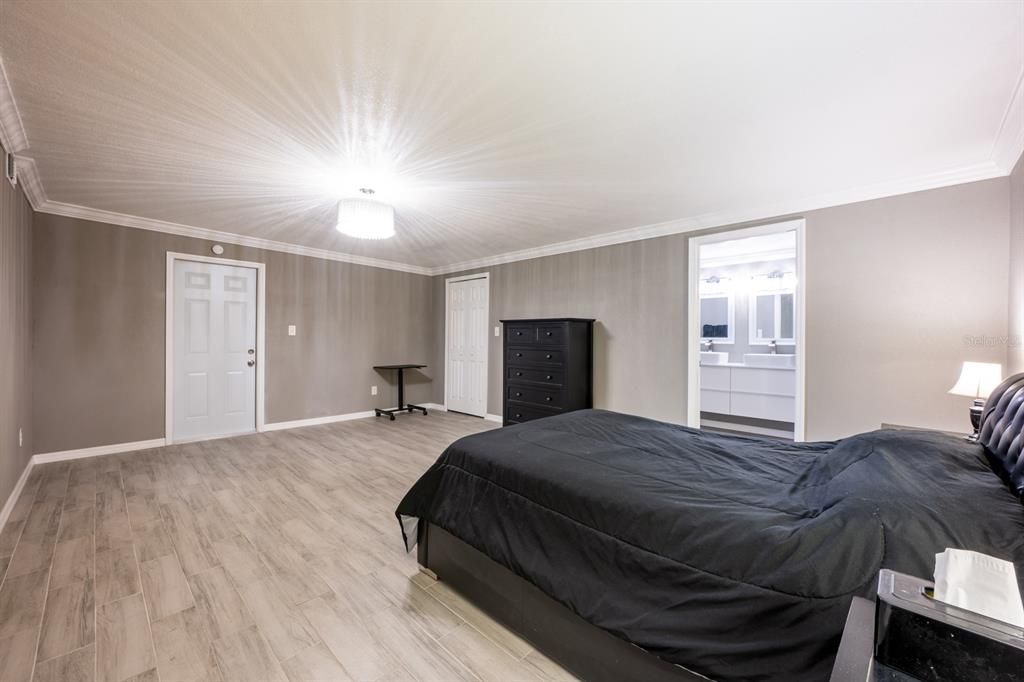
[(365, 217)]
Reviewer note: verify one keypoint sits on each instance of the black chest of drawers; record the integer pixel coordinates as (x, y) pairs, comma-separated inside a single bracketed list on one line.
[(548, 367)]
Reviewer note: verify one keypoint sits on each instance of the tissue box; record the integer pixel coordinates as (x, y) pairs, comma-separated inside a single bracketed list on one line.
[(936, 642)]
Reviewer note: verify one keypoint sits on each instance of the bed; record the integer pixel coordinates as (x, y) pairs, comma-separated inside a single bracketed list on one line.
[(630, 548)]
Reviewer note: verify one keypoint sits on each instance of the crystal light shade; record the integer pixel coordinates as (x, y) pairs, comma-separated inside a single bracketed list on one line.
[(366, 219)]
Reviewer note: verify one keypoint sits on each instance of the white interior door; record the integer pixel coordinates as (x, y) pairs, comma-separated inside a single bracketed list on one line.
[(466, 340), (214, 354)]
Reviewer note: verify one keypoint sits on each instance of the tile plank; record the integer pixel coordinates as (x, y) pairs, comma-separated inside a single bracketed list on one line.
[(219, 603), (246, 657), (68, 621), (77, 666), (124, 646), (164, 586)]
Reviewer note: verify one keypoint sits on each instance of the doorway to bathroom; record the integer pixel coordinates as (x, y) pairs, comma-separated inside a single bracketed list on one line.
[(746, 345)]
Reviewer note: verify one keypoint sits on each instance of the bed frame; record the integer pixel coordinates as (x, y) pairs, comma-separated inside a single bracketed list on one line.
[(585, 650)]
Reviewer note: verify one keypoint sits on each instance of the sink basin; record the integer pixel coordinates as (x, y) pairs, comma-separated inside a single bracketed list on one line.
[(769, 360), (713, 357)]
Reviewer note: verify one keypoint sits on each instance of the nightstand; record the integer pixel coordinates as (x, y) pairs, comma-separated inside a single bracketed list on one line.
[(855, 661)]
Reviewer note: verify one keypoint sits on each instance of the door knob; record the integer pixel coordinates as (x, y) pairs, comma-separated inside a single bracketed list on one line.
[(252, 351), (251, 363)]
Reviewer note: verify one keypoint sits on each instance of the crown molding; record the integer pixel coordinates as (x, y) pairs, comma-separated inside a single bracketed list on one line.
[(126, 220), (981, 171), (1009, 144), (12, 130), (28, 177)]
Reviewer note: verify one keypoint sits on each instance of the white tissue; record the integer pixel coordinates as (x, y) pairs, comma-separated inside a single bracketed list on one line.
[(979, 583)]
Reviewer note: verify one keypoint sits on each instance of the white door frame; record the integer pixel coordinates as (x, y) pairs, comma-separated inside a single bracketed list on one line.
[(798, 225), (261, 317), (486, 276)]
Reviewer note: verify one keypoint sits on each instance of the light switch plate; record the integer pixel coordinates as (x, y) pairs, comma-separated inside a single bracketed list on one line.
[(291, 330), (373, 390), (497, 331)]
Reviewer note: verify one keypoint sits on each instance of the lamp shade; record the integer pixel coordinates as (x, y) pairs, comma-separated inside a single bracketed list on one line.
[(978, 379), (366, 219)]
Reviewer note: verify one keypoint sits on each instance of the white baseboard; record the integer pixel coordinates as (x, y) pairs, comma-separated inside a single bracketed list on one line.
[(435, 406), (5, 513), (98, 451), (494, 418), (316, 421)]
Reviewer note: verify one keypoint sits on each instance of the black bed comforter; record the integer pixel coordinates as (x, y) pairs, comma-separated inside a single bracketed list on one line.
[(733, 557)]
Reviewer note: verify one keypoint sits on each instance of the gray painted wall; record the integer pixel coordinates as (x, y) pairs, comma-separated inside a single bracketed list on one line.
[(15, 337), (898, 291), (1015, 340), (98, 296)]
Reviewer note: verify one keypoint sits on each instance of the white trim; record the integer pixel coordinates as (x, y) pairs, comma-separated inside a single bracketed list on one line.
[(486, 276), (12, 128), (693, 316), (317, 421), (123, 219), (261, 336), (435, 406), (494, 418), (28, 178), (98, 451), (12, 499), (981, 171), (1009, 144)]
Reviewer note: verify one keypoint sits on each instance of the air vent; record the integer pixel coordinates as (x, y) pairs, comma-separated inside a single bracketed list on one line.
[(11, 169)]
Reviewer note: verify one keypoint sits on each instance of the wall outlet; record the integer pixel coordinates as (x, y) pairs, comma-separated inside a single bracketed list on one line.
[(497, 331), (373, 390), (21, 438), (291, 330)]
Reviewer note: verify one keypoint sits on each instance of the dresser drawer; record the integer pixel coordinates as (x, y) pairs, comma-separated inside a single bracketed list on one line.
[(538, 396), (516, 413), (521, 333), (530, 356), (547, 377), (551, 335)]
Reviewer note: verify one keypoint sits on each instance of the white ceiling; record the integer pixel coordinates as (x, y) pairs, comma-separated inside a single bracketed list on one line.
[(497, 127)]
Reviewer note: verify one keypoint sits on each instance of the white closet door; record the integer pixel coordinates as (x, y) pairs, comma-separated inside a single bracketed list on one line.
[(214, 350), (466, 374)]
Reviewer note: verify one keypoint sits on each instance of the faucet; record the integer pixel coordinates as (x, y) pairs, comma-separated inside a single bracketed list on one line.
[(710, 344), (773, 347)]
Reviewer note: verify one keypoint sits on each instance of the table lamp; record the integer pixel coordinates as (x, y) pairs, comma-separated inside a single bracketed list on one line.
[(977, 380)]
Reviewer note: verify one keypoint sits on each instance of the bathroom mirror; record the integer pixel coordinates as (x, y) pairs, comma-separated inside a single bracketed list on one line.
[(717, 318), (772, 318)]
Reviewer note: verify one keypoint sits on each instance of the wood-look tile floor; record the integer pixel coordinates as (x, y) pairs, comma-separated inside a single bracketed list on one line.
[(273, 556)]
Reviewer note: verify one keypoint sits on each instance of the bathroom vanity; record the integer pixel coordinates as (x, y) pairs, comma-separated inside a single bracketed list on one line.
[(763, 386)]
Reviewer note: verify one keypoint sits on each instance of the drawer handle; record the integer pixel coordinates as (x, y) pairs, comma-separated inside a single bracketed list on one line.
[(519, 333), (547, 333), (519, 355), (548, 377), (518, 416), (548, 399), (518, 394), (548, 356), (519, 374)]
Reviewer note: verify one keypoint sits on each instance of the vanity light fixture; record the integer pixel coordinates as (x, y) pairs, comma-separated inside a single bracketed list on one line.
[(365, 217)]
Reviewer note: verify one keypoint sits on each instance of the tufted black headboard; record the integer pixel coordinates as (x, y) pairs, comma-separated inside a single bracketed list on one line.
[(1002, 431)]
